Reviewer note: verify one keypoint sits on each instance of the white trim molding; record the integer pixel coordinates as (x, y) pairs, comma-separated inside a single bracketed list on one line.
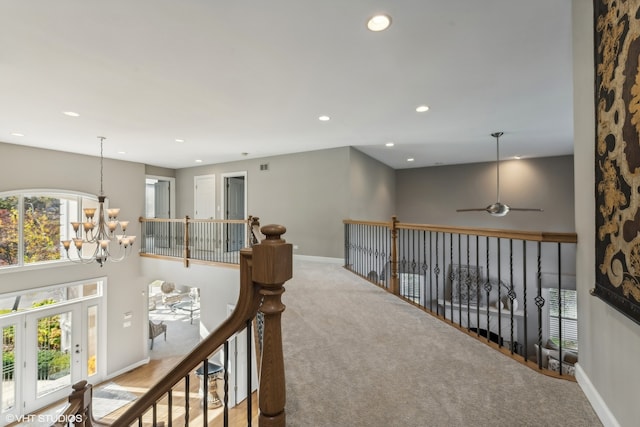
[(599, 406)]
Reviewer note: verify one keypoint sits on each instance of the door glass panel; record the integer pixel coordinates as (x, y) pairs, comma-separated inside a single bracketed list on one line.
[(8, 367), (54, 353), (92, 340)]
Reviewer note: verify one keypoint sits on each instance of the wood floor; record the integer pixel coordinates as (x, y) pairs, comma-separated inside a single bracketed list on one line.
[(140, 379)]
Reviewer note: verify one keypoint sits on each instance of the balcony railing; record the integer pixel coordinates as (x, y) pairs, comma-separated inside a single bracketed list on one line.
[(197, 240), (514, 290), (264, 269)]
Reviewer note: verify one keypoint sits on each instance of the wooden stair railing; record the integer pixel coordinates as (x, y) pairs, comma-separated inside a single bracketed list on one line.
[(263, 271)]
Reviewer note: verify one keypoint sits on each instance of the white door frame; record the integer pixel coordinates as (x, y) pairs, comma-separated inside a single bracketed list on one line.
[(223, 191), (18, 363), (32, 401), (25, 353), (172, 191), (195, 195)]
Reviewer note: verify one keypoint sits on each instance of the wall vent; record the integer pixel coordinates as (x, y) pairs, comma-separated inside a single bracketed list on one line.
[(264, 167)]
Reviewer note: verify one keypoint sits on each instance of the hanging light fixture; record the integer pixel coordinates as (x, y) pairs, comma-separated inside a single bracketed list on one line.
[(99, 231), (498, 208)]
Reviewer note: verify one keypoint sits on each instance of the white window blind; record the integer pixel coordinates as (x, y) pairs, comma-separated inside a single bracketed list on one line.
[(563, 317)]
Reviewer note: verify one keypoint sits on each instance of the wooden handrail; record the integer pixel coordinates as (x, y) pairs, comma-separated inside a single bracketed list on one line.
[(535, 236), (252, 236), (263, 271)]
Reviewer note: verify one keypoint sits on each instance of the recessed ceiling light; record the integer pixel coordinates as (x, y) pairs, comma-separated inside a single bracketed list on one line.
[(410, 159), (379, 22), (422, 108), (179, 140), (71, 114), (198, 161), (17, 134), (389, 144), (324, 118), (122, 152), (517, 157)]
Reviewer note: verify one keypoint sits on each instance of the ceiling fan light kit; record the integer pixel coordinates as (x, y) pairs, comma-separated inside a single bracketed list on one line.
[(497, 208)]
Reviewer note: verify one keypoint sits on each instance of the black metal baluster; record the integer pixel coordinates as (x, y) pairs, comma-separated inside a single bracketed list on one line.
[(451, 274), (540, 303), (468, 283), (430, 274), (460, 284), (524, 296), (154, 411), (186, 400), (560, 308), (347, 241), (436, 271), (499, 293), (425, 269), (170, 407), (487, 288), (249, 371), (205, 392), (478, 286), (226, 383), (511, 293)]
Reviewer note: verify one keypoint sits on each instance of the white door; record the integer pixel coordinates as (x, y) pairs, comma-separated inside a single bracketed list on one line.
[(53, 354), (205, 197), (12, 359)]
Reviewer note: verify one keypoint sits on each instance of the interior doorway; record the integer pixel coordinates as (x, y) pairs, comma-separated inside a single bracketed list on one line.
[(159, 197), (234, 190)]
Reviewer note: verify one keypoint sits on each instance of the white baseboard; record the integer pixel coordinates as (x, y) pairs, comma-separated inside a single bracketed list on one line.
[(328, 260), (599, 406), (127, 369)]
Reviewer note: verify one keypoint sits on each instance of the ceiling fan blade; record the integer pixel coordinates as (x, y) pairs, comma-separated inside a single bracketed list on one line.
[(527, 209), (472, 210)]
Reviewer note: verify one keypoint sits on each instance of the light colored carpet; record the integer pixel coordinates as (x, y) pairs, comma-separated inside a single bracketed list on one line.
[(358, 356), (182, 336), (109, 397)]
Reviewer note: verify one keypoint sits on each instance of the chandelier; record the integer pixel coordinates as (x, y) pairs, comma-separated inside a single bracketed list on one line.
[(96, 233)]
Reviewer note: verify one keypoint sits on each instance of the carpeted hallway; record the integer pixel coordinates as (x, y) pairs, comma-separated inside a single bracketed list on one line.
[(358, 356)]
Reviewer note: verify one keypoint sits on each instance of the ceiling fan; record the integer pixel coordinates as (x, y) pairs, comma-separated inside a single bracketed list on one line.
[(497, 208)]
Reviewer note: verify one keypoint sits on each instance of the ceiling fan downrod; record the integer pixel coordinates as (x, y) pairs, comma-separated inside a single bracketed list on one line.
[(497, 208)]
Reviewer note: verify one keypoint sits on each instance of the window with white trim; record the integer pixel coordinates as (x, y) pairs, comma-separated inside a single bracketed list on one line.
[(563, 317), (33, 222)]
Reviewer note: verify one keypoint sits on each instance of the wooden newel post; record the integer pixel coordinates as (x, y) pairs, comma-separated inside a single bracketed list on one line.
[(395, 288), (187, 253), (272, 266)]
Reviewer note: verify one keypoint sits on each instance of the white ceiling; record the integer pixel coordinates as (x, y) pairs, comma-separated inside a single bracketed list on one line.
[(241, 76)]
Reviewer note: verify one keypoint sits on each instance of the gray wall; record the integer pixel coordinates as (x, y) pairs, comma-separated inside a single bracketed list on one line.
[(306, 192), (24, 168), (218, 286), (432, 195), (158, 171), (372, 191), (609, 342)]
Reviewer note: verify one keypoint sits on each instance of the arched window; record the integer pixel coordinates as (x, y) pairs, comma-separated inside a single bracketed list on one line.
[(33, 222)]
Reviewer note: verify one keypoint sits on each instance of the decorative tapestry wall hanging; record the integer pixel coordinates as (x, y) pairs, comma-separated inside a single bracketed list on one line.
[(617, 168)]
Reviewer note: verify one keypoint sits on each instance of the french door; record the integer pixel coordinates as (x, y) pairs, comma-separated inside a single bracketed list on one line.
[(51, 348)]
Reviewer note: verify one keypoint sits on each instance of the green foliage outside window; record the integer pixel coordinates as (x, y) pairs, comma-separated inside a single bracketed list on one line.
[(41, 229), (8, 230)]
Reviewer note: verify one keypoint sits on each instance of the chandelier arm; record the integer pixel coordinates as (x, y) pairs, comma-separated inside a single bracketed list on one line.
[(101, 231)]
